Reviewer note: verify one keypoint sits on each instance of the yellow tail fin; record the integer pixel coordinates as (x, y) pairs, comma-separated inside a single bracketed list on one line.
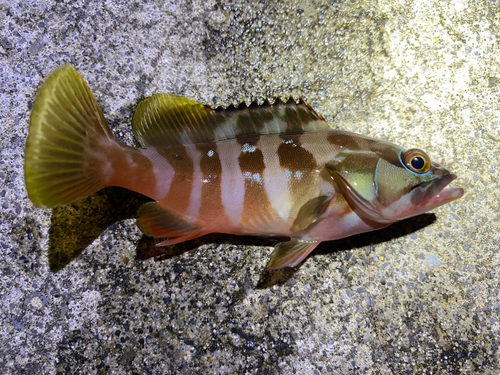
[(62, 151)]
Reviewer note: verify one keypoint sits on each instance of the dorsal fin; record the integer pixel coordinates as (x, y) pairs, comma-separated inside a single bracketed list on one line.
[(164, 120)]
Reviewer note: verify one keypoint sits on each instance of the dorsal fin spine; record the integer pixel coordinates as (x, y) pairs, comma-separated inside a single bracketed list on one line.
[(165, 120)]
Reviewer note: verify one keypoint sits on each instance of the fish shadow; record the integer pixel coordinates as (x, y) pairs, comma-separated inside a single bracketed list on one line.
[(401, 228), (75, 226)]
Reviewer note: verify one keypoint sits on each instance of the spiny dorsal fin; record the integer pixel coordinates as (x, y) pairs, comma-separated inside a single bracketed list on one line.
[(164, 120)]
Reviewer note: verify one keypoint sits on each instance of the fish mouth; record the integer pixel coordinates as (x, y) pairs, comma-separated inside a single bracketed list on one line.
[(432, 194)]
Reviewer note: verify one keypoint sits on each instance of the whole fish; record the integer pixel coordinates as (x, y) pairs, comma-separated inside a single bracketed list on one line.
[(269, 170)]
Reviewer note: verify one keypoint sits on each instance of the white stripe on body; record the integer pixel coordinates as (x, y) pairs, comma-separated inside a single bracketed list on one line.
[(107, 170), (162, 171), (233, 181), (275, 178), (195, 199)]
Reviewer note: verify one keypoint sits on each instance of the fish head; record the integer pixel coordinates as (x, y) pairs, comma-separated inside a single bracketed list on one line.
[(385, 184)]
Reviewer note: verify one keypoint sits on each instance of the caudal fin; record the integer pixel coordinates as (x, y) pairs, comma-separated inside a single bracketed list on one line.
[(63, 159)]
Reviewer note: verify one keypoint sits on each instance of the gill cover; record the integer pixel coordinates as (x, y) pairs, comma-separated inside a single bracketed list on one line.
[(354, 172)]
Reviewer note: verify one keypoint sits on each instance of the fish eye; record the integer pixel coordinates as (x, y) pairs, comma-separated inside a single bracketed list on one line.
[(417, 161)]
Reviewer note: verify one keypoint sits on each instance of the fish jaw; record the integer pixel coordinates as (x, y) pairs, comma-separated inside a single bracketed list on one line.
[(424, 198)]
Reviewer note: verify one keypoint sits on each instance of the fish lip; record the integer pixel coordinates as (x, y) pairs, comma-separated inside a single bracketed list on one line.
[(449, 194), (443, 182), (434, 194)]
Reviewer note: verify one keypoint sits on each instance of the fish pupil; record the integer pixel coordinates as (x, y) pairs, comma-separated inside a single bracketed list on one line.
[(417, 162)]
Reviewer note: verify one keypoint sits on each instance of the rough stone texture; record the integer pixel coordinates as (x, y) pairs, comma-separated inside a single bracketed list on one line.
[(420, 73)]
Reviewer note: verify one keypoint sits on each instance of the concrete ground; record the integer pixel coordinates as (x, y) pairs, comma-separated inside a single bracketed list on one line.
[(421, 297)]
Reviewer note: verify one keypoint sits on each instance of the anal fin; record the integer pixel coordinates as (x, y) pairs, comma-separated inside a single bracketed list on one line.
[(290, 254), (156, 221)]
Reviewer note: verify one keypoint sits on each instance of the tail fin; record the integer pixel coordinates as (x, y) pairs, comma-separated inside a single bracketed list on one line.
[(66, 126)]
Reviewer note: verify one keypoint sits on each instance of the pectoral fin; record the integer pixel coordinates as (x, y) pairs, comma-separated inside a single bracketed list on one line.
[(290, 254), (311, 211), (156, 221)]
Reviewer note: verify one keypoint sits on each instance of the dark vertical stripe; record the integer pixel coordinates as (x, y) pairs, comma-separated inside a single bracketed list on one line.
[(209, 161), (211, 192), (302, 165), (306, 114), (258, 213), (261, 114), (293, 156), (245, 123), (252, 162), (182, 184), (292, 119), (347, 141)]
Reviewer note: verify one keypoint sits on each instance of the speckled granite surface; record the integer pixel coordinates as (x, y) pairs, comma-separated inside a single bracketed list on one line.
[(419, 73)]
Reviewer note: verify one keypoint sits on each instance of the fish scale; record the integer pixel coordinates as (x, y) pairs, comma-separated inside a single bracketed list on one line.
[(271, 169)]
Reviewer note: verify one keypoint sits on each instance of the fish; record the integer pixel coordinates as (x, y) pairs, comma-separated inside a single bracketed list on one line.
[(274, 169)]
